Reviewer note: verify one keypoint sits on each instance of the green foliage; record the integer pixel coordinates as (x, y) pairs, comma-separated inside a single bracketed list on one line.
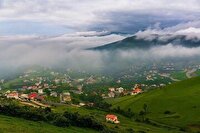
[(46, 115), (61, 121), (18, 125)]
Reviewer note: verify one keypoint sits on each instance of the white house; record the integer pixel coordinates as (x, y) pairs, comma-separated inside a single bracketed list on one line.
[(120, 89), (111, 94), (40, 91)]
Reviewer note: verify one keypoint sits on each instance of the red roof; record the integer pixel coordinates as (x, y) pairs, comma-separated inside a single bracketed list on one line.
[(111, 116), (32, 95), (137, 90)]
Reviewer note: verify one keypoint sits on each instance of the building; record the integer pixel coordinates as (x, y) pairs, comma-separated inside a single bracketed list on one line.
[(32, 96), (54, 94), (120, 89), (40, 98), (13, 94), (111, 89), (82, 104), (40, 91), (112, 118), (136, 91), (24, 96), (65, 97), (111, 94)]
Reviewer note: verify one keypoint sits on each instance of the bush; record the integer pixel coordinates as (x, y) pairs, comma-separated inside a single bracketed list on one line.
[(167, 112), (61, 121), (46, 115), (130, 130)]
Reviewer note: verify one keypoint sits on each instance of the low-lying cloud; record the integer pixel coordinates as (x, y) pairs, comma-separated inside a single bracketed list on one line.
[(69, 51)]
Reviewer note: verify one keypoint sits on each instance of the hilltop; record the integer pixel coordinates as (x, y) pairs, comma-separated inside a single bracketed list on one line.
[(176, 105)]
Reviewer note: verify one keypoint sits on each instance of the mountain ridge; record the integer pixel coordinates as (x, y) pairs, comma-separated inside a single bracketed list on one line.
[(134, 42)]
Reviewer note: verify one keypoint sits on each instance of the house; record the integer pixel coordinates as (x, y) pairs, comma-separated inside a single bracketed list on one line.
[(40, 91), (120, 89), (54, 94), (37, 84), (82, 104), (137, 89), (32, 95), (24, 96), (40, 98), (46, 85), (90, 104), (111, 89), (34, 87), (112, 118), (13, 94), (111, 94), (65, 97)]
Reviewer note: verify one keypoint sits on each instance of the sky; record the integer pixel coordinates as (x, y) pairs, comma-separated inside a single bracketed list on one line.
[(58, 32), (56, 17)]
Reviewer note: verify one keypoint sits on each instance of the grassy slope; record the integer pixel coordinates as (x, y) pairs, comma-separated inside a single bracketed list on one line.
[(125, 123), (17, 125), (181, 98), (180, 75)]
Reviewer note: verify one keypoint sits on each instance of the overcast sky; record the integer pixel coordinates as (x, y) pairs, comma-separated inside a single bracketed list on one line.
[(54, 17)]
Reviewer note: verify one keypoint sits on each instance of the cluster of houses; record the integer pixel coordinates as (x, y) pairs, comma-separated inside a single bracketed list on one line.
[(37, 96), (116, 92), (24, 97)]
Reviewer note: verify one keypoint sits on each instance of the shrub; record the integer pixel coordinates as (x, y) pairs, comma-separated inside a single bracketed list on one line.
[(167, 112), (61, 121)]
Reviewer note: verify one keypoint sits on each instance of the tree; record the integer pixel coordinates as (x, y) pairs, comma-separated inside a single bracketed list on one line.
[(145, 108), (61, 121), (142, 114)]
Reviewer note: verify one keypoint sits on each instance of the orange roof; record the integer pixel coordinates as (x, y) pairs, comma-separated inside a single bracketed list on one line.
[(111, 116), (137, 90)]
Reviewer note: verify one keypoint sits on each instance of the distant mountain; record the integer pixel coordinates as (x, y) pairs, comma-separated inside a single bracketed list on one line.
[(152, 41)]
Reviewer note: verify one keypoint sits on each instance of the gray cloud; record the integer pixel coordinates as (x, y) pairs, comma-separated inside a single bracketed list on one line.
[(190, 29), (17, 51), (68, 51), (110, 15)]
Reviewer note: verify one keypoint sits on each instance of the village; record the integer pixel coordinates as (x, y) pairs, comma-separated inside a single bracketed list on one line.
[(37, 96), (51, 86), (46, 88)]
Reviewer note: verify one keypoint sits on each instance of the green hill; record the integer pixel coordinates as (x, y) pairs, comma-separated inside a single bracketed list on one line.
[(17, 125), (176, 105)]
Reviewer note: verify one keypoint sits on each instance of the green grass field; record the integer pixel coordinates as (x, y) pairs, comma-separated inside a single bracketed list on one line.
[(17, 125), (182, 99), (125, 123), (180, 75)]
